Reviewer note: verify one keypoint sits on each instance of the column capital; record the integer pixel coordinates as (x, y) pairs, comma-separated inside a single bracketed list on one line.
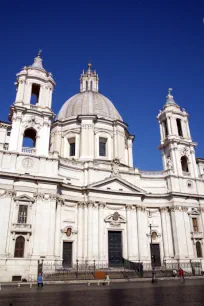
[(141, 208), (164, 209), (101, 204)]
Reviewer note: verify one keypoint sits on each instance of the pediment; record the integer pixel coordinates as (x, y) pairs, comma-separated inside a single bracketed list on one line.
[(118, 184), (24, 198)]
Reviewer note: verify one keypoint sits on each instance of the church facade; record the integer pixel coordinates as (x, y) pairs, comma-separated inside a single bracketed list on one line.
[(69, 193)]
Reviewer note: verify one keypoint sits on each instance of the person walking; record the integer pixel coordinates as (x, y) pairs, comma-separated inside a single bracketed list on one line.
[(181, 274), (40, 281)]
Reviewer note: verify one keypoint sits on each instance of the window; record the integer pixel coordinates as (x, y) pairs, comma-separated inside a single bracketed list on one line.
[(178, 122), (165, 128), (19, 247), (72, 147), (198, 249), (184, 164), (22, 214), (195, 224), (154, 235), (91, 85), (35, 94), (87, 85), (29, 138), (102, 146), (8, 132)]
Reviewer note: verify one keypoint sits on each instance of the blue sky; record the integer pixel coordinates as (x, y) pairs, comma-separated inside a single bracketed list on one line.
[(139, 49)]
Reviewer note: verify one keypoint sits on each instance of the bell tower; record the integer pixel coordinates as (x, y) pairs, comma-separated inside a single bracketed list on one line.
[(31, 113), (177, 147)]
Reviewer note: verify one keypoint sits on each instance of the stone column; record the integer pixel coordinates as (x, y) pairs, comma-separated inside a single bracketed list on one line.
[(161, 132), (80, 231), (188, 232), (169, 233), (7, 206), (115, 144), (51, 230), (101, 206), (85, 229), (20, 91), (15, 132), (130, 158), (87, 139), (142, 233), (179, 233), (166, 232), (193, 162), (58, 230), (128, 230), (169, 125), (95, 229), (90, 230)]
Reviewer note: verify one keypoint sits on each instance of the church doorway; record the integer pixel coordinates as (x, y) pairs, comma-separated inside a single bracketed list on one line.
[(67, 254), (115, 248), (155, 251)]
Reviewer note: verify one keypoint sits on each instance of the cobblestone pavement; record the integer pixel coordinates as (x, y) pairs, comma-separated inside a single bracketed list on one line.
[(164, 293)]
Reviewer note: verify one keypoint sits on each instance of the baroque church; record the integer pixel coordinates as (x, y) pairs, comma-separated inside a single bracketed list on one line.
[(70, 194)]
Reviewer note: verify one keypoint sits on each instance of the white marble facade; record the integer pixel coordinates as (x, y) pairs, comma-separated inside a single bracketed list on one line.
[(75, 181)]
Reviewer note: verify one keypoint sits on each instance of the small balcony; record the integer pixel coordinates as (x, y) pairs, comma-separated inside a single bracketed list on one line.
[(21, 228), (29, 150)]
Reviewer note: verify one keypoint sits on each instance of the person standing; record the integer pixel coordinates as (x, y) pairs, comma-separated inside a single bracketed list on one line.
[(181, 274), (40, 281)]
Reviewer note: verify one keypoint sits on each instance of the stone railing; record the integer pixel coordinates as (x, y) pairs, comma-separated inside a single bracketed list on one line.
[(21, 227), (151, 173), (185, 173), (29, 150)]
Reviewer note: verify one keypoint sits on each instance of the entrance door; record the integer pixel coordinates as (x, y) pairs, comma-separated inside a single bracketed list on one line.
[(156, 253), (67, 254), (115, 248)]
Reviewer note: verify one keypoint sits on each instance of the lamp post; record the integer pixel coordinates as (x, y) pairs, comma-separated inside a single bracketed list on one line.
[(152, 256)]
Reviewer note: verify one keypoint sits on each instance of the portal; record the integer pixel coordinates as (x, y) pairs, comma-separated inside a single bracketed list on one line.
[(115, 248), (67, 254)]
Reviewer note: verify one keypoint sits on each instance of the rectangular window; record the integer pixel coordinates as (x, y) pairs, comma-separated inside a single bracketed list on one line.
[(22, 214), (179, 127), (102, 146), (35, 92), (195, 224), (166, 128), (72, 149)]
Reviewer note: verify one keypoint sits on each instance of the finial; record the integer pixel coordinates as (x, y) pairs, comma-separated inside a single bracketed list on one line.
[(39, 52), (89, 65), (169, 91)]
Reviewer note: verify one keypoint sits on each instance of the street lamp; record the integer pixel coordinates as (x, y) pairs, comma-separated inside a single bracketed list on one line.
[(152, 255)]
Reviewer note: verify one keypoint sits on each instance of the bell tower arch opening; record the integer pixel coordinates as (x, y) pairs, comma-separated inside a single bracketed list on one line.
[(29, 138), (35, 92)]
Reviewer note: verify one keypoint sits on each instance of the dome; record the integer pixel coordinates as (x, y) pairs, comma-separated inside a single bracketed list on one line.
[(89, 101)]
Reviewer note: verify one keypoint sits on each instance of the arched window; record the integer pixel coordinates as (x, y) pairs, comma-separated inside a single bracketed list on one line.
[(19, 247), (29, 138), (198, 249), (184, 164)]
